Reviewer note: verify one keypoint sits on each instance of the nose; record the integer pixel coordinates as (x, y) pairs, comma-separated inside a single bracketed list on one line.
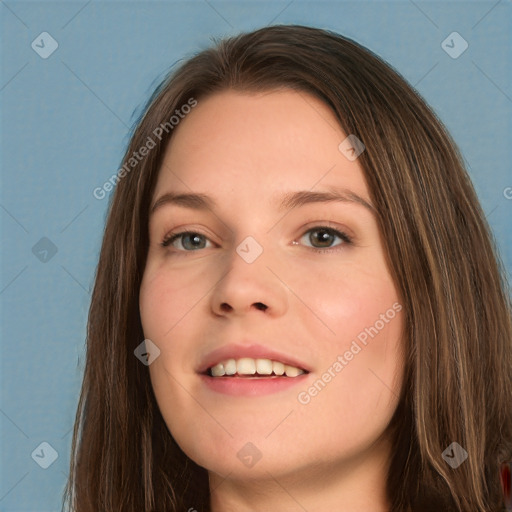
[(249, 288)]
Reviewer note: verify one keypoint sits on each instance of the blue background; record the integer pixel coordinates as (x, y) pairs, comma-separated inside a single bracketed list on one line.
[(64, 126)]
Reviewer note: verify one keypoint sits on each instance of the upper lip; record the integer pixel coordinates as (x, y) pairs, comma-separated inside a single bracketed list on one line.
[(254, 351)]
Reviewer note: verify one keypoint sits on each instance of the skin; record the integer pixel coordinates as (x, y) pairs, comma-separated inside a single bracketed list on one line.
[(245, 150)]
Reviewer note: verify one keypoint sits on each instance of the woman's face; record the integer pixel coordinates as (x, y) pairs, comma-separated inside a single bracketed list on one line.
[(272, 271)]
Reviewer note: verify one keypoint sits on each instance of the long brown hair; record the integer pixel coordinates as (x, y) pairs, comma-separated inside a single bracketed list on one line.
[(458, 332)]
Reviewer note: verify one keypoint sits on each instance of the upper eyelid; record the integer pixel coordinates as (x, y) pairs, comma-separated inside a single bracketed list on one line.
[(172, 236), (330, 224)]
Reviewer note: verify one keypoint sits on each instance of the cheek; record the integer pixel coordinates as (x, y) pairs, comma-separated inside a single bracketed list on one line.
[(168, 302), (356, 391), (344, 304), (167, 297), (360, 350)]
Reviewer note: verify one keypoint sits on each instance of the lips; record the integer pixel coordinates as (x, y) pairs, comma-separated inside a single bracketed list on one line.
[(250, 357), (250, 360)]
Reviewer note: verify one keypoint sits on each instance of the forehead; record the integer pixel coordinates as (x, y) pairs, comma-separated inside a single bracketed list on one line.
[(258, 141)]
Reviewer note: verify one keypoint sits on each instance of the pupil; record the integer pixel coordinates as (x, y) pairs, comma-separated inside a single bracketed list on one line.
[(324, 236), (196, 239)]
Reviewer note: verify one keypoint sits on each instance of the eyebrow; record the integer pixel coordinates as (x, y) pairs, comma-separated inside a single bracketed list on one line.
[(333, 194), (288, 201)]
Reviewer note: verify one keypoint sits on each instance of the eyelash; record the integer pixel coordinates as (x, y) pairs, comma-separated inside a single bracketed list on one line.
[(168, 240)]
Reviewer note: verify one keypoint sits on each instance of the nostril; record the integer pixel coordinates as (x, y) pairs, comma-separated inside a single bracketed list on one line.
[(261, 306)]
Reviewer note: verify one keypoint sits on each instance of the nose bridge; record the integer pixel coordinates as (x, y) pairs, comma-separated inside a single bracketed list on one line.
[(247, 283)]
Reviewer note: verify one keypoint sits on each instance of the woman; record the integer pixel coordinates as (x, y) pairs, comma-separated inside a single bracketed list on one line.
[(298, 303)]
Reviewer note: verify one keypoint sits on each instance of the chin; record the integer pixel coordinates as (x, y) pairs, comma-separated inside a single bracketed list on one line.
[(241, 457)]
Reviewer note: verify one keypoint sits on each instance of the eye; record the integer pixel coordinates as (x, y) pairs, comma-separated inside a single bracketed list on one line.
[(190, 240), (325, 236)]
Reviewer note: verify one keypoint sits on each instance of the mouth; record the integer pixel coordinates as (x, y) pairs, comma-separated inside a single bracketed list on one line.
[(250, 368)]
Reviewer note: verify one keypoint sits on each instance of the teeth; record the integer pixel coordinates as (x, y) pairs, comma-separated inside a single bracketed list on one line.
[(277, 367), (246, 366), (249, 366), (291, 371), (230, 367), (264, 366), (218, 370)]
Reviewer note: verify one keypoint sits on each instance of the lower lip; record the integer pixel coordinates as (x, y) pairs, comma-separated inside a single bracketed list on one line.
[(246, 386)]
